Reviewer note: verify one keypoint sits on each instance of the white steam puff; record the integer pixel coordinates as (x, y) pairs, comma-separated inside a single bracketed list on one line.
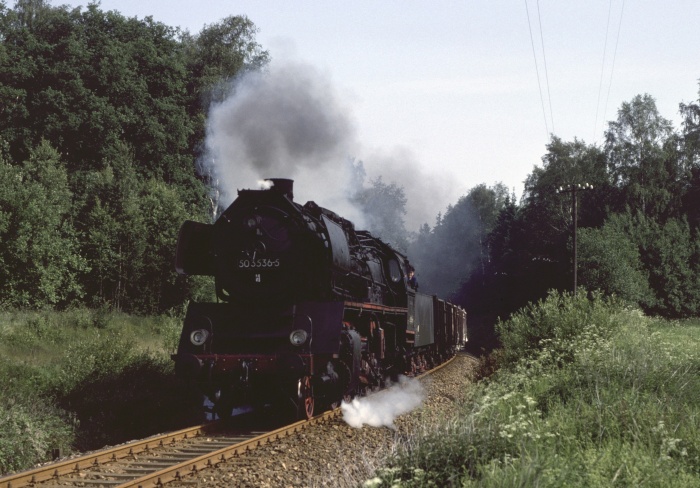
[(284, 122), (381, 409)]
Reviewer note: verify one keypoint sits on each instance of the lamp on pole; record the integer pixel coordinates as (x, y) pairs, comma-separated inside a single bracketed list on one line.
[(574, 189)]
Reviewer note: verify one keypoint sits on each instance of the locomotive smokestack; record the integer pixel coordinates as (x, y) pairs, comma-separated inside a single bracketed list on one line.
[(284, 186)]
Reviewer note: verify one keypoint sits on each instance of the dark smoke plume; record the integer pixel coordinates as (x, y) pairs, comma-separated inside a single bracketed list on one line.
[(428, 190), (284, 122), (288, 122)]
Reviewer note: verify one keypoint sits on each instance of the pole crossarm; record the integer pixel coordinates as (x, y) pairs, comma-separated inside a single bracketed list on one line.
[(573, 189)]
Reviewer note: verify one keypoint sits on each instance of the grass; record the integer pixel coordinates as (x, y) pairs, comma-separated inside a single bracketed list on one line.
[(605, 397), (81, 379), (587, 393)]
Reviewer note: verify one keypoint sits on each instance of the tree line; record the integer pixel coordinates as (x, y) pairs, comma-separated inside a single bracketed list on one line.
[(102, 118), (638, 223)]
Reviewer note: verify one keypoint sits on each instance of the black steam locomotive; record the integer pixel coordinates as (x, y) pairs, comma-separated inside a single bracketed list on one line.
[(310, 310)]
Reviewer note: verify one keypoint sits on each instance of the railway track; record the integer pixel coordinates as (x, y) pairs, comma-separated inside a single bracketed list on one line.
[(161, 459), (154, 461)]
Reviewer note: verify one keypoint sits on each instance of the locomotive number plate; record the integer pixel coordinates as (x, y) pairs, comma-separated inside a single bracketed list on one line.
[(258, 263)]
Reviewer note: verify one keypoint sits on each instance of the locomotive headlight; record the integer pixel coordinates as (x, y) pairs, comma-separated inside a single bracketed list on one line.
[(199, 337), (298, 337)]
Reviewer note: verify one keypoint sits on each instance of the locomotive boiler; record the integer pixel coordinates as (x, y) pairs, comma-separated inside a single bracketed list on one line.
[(308, 309)]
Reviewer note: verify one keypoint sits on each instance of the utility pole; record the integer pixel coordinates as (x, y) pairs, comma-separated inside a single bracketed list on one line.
[(574, 189)]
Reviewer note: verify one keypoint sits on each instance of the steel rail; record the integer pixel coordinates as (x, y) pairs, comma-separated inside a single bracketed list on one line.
[(178, 470), (54, 470)]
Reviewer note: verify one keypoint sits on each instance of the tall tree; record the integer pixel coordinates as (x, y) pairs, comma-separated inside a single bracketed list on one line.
[(503, 282), (691, 153), (644, 159), (40, 261), (548, 198), (113, 231), (159, 286), (551, 195), (218, 53), (123, 101)]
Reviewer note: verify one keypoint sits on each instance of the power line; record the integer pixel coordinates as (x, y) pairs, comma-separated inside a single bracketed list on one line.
[(617, 42), (534, 55), (602, 70), (546, 73)]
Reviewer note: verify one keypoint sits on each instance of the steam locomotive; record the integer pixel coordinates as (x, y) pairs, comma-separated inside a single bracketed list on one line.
[(310, 310)]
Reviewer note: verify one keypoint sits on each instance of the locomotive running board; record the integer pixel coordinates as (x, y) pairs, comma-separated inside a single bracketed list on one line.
[(375, 307)]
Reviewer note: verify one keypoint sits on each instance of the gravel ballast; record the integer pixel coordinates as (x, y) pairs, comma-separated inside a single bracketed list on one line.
[(335, 454)]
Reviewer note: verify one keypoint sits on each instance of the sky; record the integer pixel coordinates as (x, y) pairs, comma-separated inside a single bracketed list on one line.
[(445, 95)]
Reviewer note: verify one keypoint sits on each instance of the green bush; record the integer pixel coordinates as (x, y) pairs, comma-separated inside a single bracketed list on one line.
[(615, 401), (95, 356), (555, 324), (31, 431), (82, 379), (609, 261)]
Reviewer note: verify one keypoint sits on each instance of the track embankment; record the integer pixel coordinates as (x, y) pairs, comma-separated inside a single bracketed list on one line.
[(334, 454), (325, 451)]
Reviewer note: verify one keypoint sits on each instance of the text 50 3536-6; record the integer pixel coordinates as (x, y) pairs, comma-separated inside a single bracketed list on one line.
[(259, 263)]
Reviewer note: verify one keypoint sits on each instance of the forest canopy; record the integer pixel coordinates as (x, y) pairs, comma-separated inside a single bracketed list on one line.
[(636, 200), (101, 120)]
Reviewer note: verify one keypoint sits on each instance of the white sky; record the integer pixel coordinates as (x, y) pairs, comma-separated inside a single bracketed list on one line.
[(453, 84)]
